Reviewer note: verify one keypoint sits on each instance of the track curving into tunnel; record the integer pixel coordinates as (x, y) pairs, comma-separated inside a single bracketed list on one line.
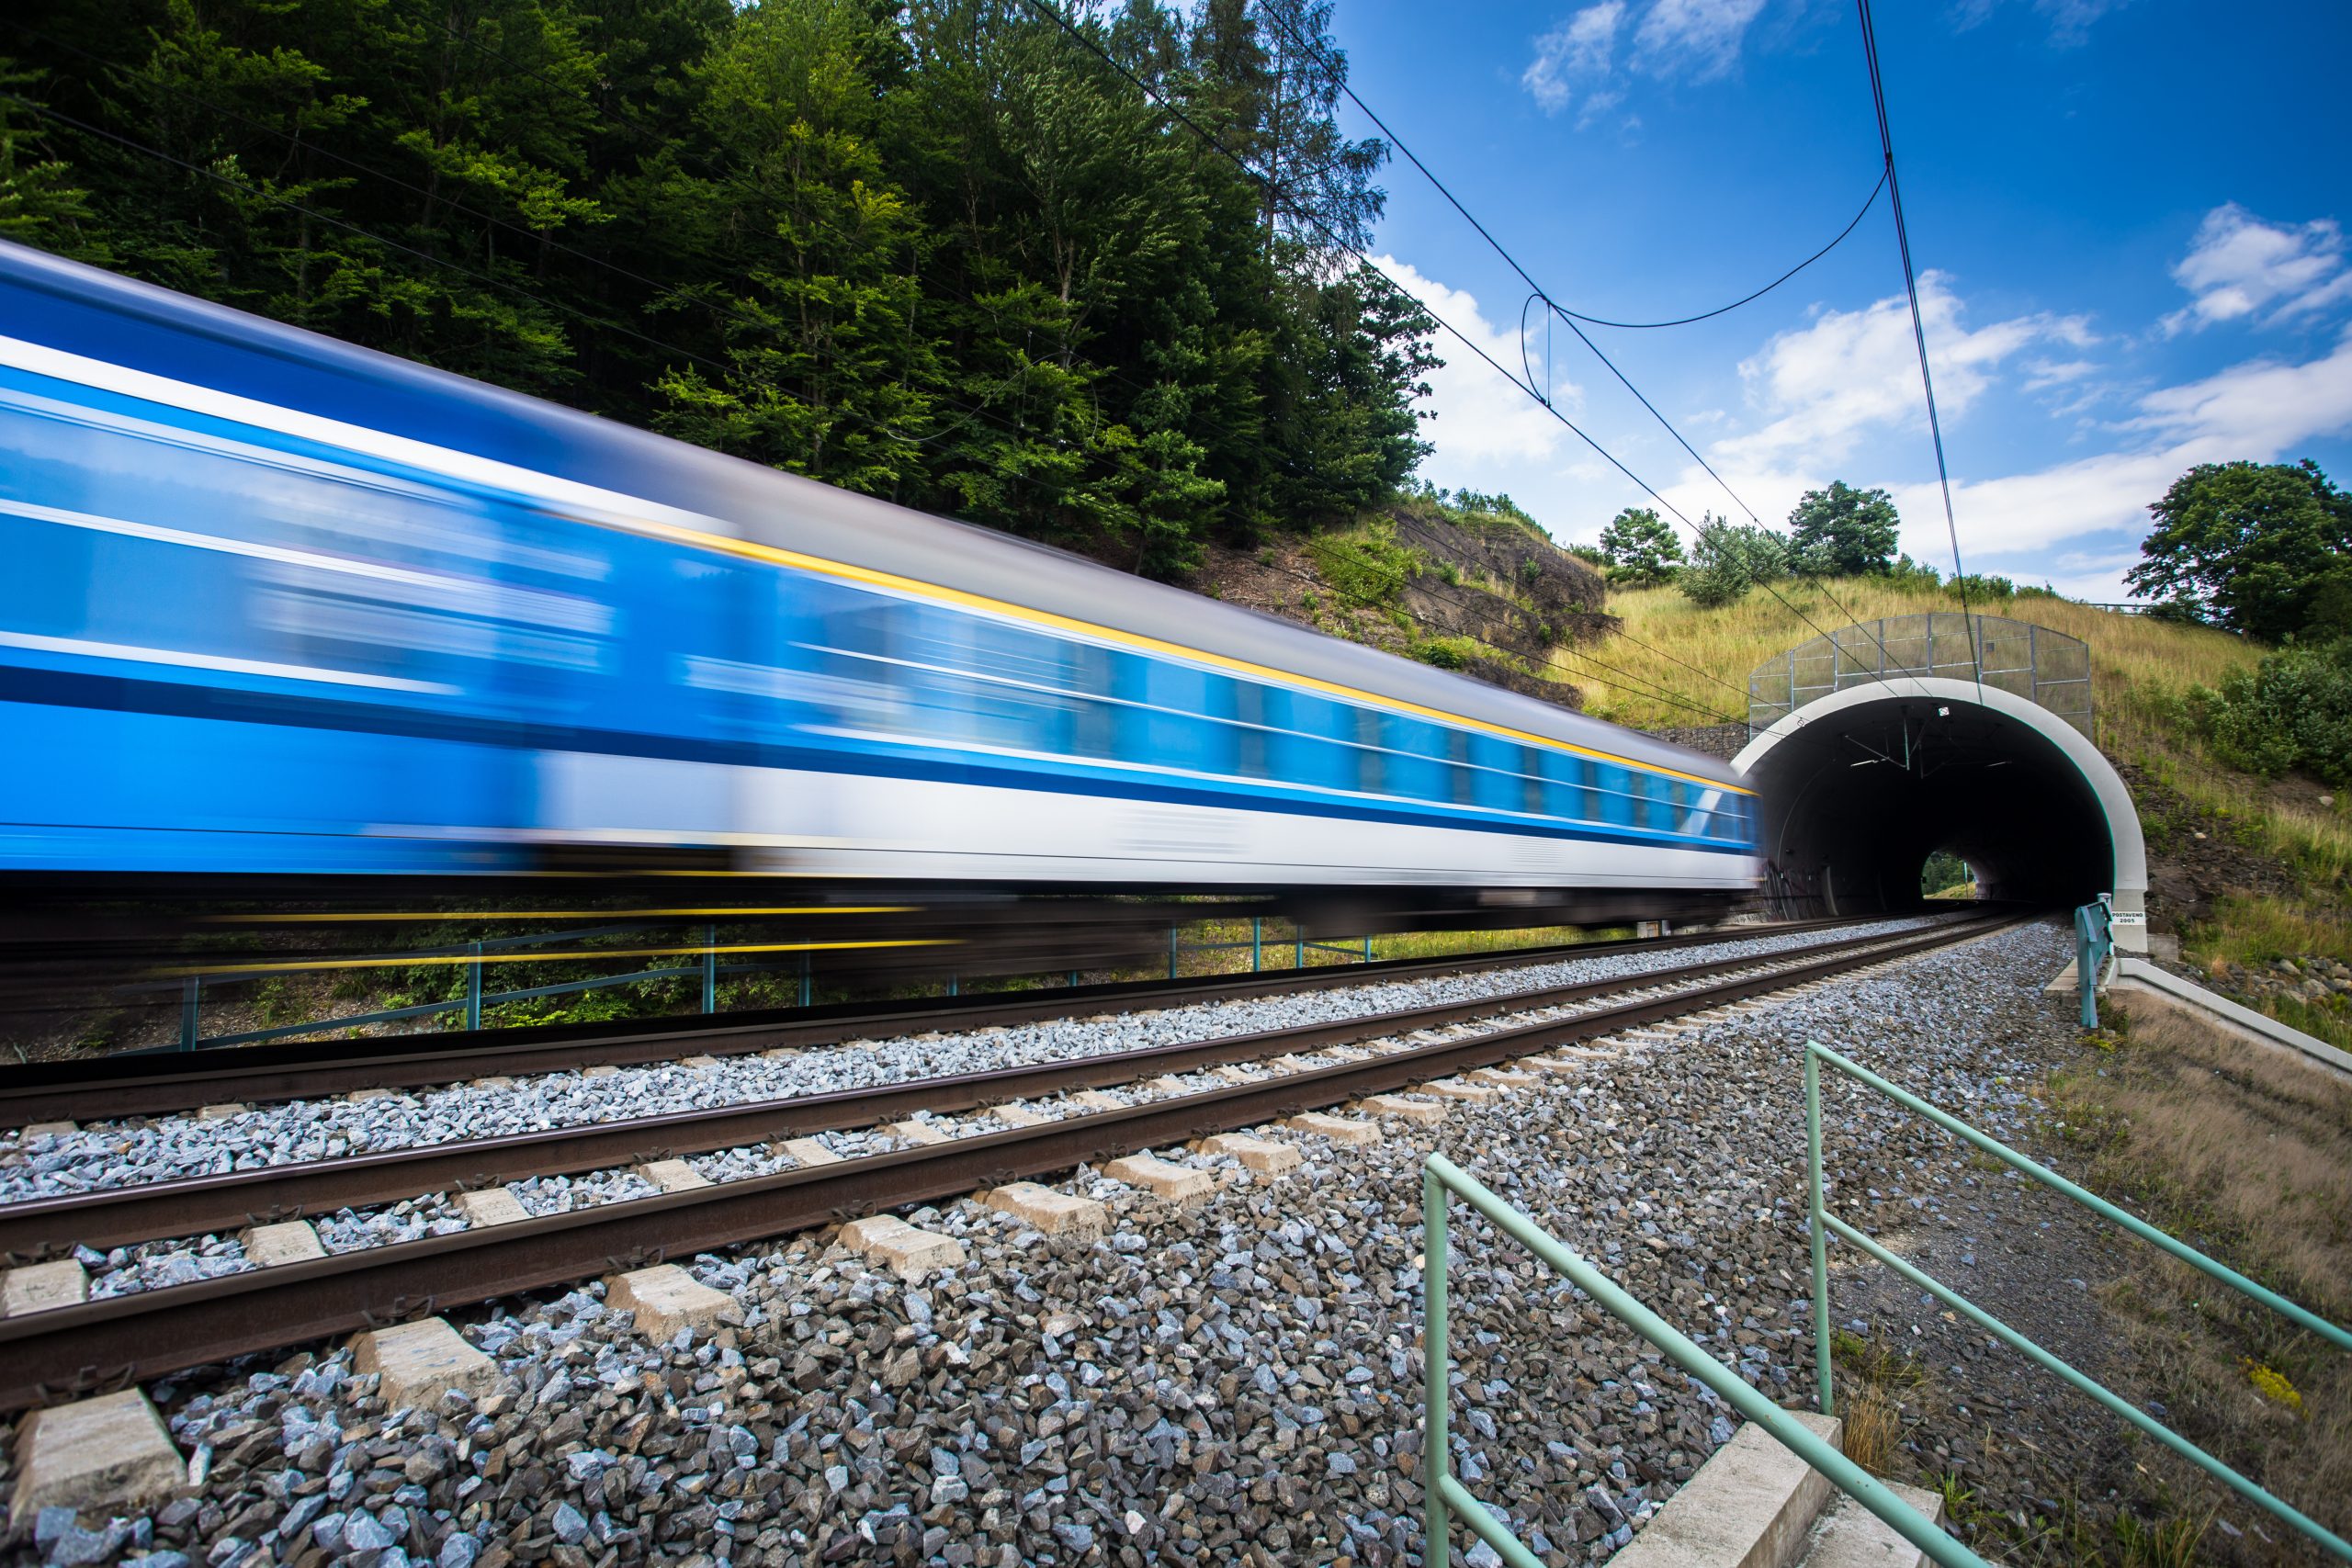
[(1860, 787)]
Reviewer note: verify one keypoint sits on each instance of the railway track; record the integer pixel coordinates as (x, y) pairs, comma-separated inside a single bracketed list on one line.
[(156, 1083), (134, 1337)]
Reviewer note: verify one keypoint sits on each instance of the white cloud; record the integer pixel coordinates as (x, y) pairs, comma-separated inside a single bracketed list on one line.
[(1851, 372), (2239, 265), (2043, 374), (1700, 36), (1480, 414), (2070, 20), (2261, 410), (1691, 39), (1578, 47)]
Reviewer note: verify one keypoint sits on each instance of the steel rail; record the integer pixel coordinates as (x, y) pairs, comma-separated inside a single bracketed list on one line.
[(149, 1083), (129, 1339), (116, 1216)]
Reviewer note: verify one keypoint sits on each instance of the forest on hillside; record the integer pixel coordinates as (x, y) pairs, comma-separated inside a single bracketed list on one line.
[(1089, 279)]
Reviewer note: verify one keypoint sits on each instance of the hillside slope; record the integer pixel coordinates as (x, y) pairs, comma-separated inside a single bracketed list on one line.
[(2246, 871), (1475, 589)]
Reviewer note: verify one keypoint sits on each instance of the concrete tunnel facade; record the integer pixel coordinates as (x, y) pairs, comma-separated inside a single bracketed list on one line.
[(1859, 787)]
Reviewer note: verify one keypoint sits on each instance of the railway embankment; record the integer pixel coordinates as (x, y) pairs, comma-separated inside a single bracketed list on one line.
[(1230, 1378)]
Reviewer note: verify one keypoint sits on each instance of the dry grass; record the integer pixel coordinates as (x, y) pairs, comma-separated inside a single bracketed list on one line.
[(1703, 656), (2253, 929), (1871, 1426), (2242, 1153), (2142, 673)]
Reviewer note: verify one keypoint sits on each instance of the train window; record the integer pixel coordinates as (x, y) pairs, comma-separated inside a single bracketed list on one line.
[(1614, 787), (1252, 755), (1462, 780), (1567, 789), (1176, 732), (1372, 763), (1531, 780), (1095, 722), (1416, 753), (1659, 792)]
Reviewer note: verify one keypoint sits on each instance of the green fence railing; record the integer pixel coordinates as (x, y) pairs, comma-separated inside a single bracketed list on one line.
[(1446, 1496), (2094, 946), (1824, 1224)]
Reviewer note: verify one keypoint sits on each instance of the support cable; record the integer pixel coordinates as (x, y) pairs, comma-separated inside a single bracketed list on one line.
[(1919, 335), (1550, 305)]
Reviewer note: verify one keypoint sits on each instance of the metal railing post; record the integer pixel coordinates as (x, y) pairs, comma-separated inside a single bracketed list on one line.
[(190, 999), (1820, 1231), (1257, 943), (1298, 960), (1171, 953), (710, 968), (1815, 1053), (1367, 950), (1436, 1461), (808, 981), (473, 991)]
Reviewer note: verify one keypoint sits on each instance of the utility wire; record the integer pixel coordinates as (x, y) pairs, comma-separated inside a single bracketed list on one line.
[(969, 410), (1643, 689), (1111, 372), (327, 217), (1919, 333), (1455, 202), (1868, 202)]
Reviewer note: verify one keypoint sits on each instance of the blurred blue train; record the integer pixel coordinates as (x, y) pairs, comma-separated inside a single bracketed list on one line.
[(274, 604)]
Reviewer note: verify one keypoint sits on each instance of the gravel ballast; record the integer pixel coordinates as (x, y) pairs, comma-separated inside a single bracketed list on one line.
[(131, 1152), (1233, 1382)]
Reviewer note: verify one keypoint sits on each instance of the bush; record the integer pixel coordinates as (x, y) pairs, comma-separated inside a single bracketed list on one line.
[(2294, 711), (1371, 568), (1727, 561), (1976, 588)]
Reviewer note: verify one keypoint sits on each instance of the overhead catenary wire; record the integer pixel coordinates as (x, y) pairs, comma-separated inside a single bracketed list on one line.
[(1641, 688), (1697, 530), (973, 412), (1868, 202), (1918, 331)]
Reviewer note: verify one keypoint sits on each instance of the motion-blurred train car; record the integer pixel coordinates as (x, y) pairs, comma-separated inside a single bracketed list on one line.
[(278, 606)]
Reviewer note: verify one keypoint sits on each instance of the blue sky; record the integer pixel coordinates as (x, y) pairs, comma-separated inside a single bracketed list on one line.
[(2127, 215)]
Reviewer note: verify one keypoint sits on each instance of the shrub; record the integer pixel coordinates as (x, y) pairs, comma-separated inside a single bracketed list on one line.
[(2292, 711), (1371, 568), (1976, 588), (1728, 559)]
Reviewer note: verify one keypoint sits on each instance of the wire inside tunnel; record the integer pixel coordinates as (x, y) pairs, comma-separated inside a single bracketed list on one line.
[(1859, 789)]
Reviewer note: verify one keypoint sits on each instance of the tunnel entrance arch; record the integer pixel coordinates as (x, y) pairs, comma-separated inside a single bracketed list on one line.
[(1860, 784)]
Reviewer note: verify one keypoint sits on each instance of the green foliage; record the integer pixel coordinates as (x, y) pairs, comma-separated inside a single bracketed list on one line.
[(1942, 870), (2263, 549), (1975, 589), (1843, 532), (941, 253), (2294, 711), (1639, 548), (1368, 567), (1730, 558), (1911, 575)]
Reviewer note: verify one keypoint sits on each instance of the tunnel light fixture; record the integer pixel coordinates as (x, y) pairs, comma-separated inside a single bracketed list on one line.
[(1943, 713)]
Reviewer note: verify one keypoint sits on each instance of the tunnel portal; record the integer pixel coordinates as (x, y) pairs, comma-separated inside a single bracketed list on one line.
[(1865, 775)]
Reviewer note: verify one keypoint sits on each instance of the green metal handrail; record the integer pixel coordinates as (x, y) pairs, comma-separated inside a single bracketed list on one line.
[(2094, 946), (1446, 1496), (1824, 1224)]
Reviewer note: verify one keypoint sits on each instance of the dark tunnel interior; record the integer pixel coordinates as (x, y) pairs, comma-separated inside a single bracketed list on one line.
[(1855, 801)]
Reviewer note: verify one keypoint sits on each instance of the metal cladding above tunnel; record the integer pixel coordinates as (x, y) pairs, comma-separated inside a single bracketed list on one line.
[(1876, 746)]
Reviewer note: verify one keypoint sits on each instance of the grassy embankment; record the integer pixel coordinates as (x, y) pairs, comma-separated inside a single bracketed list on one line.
[(2141, 671), (2240, 1154)]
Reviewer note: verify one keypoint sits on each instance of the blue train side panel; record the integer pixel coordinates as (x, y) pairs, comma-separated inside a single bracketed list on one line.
[(242, 638)]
